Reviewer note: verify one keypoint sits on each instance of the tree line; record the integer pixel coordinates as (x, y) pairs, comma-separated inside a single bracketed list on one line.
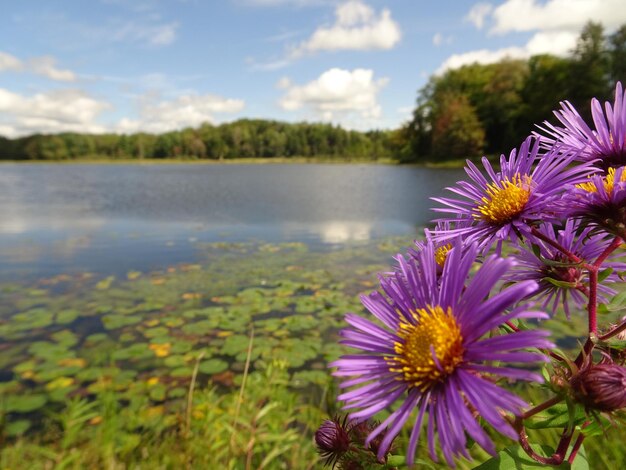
[(462, 113), (489, 109), (245, 138)]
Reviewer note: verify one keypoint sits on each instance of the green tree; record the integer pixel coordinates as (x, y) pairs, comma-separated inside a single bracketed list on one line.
[(457, 131), (547, 83), (589, 69), (617, 55)]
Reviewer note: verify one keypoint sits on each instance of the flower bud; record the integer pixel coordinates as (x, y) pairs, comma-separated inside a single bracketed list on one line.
[(601, 387), (332, 440)]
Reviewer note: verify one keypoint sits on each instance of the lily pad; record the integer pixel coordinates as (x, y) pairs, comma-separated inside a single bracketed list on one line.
[(175, 361), (181, 372), (115, 321), (233, 345), (35, 318), (65, 317), (17, 428), (159, 331), (158, 392), (177, 392), (65, 337), (24, 403), (135, 351), (105, 283), (213, 366)]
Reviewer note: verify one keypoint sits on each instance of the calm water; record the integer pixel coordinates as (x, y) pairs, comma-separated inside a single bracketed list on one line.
[(113, 218)]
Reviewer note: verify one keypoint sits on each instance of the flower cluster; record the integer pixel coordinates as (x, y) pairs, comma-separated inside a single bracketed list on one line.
[(455, 320)]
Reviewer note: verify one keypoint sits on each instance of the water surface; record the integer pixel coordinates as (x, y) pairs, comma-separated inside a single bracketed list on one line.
[(111, 218)]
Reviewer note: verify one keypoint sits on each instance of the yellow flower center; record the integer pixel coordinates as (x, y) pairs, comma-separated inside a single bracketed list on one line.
[(430, 350), (504, 201), (608, 181), (441, 254)]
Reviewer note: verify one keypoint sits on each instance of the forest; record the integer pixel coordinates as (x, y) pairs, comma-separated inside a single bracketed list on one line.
[(462, 113)]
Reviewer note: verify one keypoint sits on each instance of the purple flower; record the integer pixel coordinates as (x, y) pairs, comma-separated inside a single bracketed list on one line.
[(600, 387), (600, 202), (606, 145), (559, 279), (503, 205), (332, 440), (432, 354), (441, 248)]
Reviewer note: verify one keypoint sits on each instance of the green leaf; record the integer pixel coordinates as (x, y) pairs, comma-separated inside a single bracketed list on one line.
[(617, 303), (602, 275), (557, 416), (514, 458), (560, 264), (396, 460), (557, 283)]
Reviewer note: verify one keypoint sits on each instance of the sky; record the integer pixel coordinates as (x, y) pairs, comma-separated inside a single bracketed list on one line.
[(158, 65)]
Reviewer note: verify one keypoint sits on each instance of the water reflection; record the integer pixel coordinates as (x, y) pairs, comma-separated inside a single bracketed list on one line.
[(114, 218)]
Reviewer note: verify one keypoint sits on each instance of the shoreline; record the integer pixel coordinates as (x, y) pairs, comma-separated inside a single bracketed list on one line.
[(240, 161)]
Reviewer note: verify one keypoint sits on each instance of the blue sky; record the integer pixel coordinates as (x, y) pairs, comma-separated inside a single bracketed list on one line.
[(158, 65)]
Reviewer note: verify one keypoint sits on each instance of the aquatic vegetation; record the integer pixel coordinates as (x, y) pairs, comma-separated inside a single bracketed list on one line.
[(138, 342)]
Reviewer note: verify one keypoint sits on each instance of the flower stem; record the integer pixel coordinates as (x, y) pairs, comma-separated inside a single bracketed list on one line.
[(542, 406), (556, 458), (576, 446), (609, 249), (592, 306), (555, 244), (615, 331)]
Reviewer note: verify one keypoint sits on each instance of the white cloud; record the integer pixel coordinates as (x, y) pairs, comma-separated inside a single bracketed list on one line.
[(283, 83), (139, 31), (557, 43), (269, 65), (189, 110), (46, 66), (571, 15), (296, 3), (49, 112), (439, 39), (356, 27), (478, 13), (9, 62), (337, 95), (556, 23)]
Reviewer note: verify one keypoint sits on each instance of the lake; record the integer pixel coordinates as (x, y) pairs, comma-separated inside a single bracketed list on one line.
[(121, 285), (112, 218)]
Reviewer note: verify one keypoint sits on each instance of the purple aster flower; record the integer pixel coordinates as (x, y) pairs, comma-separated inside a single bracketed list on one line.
[(431, 352), (442, 248), (600, 387), (606, 145), (559, 279), (600, 202), (332, 440), (504, 205)]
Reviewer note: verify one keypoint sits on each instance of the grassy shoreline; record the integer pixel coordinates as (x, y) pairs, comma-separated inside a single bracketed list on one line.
[(243, 161)]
